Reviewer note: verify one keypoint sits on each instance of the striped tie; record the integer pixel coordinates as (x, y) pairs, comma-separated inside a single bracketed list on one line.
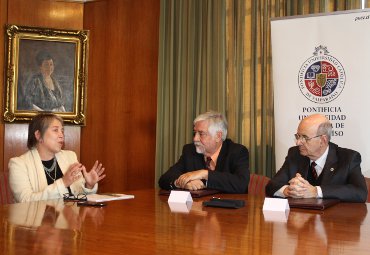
[(313, 170), (208, 163)]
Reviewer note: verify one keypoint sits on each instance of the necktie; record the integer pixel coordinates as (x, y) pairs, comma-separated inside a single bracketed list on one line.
[(313, 170), (208, 163)]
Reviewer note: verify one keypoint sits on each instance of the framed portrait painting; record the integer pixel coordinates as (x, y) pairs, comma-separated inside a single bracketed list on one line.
[(46, 72)]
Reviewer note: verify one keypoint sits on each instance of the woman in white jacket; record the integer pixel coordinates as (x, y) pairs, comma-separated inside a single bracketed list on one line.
[(46, 171)]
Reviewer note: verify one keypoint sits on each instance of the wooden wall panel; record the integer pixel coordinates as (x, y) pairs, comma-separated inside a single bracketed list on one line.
[(3, 19), (41, 13), (38, 13), (122, 92)]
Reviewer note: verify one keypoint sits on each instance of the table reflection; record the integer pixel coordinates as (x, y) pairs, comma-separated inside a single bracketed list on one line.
[(323, 231), (207, 237), (308, 229), (51, 227), (199, 229), (146, 225)]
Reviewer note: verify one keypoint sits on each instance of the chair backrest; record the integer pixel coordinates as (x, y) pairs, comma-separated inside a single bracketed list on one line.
[(368, 188), (257, 184), (6, 196)]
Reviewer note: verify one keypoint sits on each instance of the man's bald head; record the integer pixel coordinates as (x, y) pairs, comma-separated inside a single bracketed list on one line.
[(319, 124)]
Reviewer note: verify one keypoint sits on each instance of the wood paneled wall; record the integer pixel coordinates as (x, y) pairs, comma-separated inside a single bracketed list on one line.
[(3, 20), (121, 90)]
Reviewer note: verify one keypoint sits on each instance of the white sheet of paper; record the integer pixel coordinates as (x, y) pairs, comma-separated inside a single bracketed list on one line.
[(108, 197)]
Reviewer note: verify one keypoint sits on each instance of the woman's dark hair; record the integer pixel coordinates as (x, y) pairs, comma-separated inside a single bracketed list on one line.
[(40, 123), (41, 56)]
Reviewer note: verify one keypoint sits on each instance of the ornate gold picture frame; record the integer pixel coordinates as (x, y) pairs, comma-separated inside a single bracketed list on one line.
[(46, 71)]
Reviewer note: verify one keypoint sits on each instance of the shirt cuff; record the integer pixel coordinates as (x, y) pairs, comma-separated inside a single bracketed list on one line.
[(90, 191), (319, 192), (280, 192)]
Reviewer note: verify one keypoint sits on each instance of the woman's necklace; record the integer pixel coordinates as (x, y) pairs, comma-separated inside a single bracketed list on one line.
[(51, 169)]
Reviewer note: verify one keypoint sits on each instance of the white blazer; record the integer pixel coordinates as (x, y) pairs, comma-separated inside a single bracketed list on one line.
[(27, 178)]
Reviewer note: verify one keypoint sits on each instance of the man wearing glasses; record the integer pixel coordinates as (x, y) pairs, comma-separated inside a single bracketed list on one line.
[(318, 168), (211, 161)]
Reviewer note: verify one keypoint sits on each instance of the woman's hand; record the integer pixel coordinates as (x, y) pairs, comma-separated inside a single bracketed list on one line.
[(73, 174), (94, 176)]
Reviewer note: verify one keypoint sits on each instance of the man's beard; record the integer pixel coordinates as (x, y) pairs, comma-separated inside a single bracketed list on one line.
[(199, 147)]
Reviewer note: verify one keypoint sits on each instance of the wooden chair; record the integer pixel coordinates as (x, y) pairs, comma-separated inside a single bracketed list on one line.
[(6, 196), (257, 184), (368, 188)]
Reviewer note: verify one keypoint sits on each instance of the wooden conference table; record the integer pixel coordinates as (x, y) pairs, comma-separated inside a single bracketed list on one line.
[(146, 225)]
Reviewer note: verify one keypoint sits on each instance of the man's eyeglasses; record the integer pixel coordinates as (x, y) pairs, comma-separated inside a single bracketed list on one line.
[(304, 138), (72, 198)]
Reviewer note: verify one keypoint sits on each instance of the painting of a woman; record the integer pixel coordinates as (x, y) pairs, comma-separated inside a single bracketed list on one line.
[(43, 91)]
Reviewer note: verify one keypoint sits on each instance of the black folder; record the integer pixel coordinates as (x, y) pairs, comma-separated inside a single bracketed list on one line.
[(224, 203), (194, 193), (312, 203)]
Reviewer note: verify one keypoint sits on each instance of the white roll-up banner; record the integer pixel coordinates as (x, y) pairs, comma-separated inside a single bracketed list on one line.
[(321, 64)]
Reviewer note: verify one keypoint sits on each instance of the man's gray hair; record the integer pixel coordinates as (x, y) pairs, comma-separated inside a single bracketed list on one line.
[(217, 123), (325, 128)]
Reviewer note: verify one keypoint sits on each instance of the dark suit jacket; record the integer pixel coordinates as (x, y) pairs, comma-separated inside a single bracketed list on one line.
[(341, 177), (231, 174)]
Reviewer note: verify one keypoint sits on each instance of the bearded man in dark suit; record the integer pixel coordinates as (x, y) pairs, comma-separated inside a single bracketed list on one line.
[(211, 161), (318, 168)]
